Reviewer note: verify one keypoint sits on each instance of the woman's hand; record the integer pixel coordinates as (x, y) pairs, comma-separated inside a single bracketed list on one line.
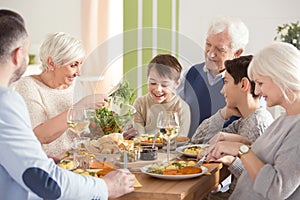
[(93, 101), (218, 137), (223, 148), (230, 137), (227, 160)]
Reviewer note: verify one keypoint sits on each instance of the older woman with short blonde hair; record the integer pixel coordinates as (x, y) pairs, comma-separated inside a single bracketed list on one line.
[(271, 165), (49, 95)]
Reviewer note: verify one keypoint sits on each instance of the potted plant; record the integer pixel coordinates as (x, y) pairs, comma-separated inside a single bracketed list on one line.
[(289, 33)]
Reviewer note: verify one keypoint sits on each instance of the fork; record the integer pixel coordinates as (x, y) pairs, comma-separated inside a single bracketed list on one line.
[(205, 152), (204, 155)]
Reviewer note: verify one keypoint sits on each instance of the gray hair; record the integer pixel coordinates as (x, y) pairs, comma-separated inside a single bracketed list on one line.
[(62, 48), (237, 30), (281, 62)]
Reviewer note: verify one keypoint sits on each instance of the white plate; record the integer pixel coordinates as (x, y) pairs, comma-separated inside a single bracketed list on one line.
[(173, 177), (181, 149)]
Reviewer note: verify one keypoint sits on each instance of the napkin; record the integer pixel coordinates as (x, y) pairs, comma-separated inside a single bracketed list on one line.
[(137, 184)]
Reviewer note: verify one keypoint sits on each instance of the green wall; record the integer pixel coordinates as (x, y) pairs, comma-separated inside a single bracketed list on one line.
[(137, 55)]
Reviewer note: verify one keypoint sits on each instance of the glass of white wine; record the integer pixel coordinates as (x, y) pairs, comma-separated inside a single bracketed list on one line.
[(168, 125), (78, 120)]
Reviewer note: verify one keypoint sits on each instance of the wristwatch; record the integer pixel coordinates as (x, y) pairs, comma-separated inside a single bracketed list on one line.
[(243, 150)]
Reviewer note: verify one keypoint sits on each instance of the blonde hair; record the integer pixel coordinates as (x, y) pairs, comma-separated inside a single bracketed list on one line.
[(62, 48), (281, 62)]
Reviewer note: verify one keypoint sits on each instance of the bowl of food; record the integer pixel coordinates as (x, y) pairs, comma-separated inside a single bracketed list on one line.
[(104, 123), (148, 152), (132, 156)]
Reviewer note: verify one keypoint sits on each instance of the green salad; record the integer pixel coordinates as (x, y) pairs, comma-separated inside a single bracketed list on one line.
[(107, 120), (104, 123)]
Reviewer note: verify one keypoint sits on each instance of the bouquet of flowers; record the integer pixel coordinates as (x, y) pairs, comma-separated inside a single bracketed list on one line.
[(289, 33)]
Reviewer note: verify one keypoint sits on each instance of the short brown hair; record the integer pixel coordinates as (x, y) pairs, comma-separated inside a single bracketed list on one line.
[(238, 69), (164, 63)]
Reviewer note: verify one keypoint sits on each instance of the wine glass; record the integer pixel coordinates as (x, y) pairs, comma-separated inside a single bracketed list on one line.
[(168, 125), (78, 120), (124, 116)]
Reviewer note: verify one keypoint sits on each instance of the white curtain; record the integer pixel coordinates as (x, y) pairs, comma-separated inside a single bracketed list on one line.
[(98, 73)]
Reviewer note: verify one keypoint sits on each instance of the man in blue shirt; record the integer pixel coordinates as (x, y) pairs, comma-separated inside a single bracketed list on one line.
[(226, 39), (24, 167)]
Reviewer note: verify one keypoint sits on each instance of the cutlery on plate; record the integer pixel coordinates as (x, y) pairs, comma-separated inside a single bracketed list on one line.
[(205, 152), (204, 155)]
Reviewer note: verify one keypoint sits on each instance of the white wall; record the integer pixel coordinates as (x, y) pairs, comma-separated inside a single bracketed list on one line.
[(261, 17), (47, 16)]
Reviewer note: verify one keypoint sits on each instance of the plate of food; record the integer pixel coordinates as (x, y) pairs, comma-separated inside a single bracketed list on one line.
[(175, 170), (68, 164), (147, 140), (192, 150), (88, 172)]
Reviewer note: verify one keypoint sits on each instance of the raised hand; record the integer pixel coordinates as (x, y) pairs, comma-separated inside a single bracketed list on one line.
[(130, 132), (228, 112)]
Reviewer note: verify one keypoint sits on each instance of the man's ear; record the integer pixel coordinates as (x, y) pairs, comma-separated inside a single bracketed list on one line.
[(17, 57), (238, 53), (245, 84)]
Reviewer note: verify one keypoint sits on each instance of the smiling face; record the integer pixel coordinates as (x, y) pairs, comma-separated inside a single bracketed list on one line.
[(217, 50), (230, 91), (160, 88), (65, 74), (265, 86)]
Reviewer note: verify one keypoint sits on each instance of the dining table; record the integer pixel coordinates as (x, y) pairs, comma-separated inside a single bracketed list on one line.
[(154, 188), (187, 189)]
